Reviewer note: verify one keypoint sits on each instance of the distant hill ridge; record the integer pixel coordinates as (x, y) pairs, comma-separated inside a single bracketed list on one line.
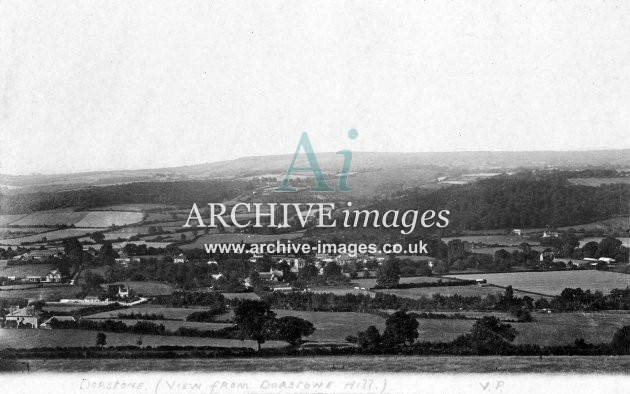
[(331, 162)]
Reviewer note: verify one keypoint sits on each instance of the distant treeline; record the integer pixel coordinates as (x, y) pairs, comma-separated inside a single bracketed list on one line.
[(519, 201), (569, 300), (172, 193)]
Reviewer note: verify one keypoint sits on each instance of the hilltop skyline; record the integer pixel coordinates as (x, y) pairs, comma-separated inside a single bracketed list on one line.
[(133, 86)]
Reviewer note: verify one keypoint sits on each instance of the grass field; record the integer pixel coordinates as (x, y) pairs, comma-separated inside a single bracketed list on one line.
[(149, 289), (244, 296), (17, 339), (420, 292), (237, 238), (283, 365), (333, 326), (147, 243), (168, 313), (8, 219), (43, 293), (109, 218), (133, 207), (507, 240), (510, 249), (173, 325), (23, 270), (70, 216), (618, 223), (598, 181), (371, 282), (553, 282), (50, 236)]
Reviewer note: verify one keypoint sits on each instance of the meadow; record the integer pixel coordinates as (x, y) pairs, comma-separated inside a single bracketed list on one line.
[(553, 282), (335, 326), (283, 365)]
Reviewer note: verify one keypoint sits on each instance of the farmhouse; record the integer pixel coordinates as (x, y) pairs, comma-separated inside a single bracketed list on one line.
[(33, 279), (22, 317), (53, 276)]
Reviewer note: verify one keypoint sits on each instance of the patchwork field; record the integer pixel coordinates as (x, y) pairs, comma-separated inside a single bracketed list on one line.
[(17, 339), (59, 217), (553, 282), (11, 232), (333, 326), (238, 238), (50, 236)]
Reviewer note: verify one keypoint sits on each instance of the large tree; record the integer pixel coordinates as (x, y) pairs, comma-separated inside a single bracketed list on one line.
[(292, 329), (400, 328), (621, 340), (488, 336), (388, 274), (252, 319)]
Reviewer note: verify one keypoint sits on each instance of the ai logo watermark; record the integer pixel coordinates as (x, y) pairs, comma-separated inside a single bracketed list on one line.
[(322, 185)]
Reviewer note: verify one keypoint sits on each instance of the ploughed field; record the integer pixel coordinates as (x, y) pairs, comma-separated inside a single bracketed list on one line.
[(553, 282)]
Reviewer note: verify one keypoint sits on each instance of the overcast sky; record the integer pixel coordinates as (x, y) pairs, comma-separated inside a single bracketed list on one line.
[(125, 85)]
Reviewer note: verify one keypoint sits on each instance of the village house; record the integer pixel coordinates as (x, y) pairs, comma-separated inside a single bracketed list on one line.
[(53, 276), (180, 259), (118, 289), (24, 316)]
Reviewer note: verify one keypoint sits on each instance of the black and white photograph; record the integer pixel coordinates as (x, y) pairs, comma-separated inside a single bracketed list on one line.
[(323, 197)]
